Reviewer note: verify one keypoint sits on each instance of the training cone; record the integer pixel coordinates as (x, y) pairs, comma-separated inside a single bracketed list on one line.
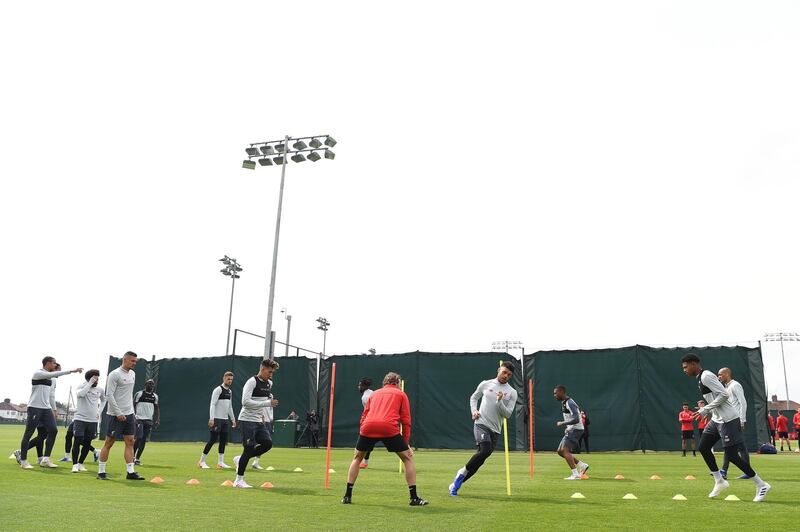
[(577, 495), (331, 470), (266, 485), (629, 496), (584, 476), (689, 477), (732, 498), (297, 470), (679, 497), (227, 484), (655, 477), (619, 477), (193, 482), (270, 468), (157, 480)]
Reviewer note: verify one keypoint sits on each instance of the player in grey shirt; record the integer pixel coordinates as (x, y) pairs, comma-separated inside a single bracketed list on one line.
[(220, 420), (740, 403), (572, 433), (90, 402), (497, 399), (365, 391), (120, 417)]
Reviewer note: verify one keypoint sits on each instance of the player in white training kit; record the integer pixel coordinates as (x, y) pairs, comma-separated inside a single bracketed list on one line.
[(572, 433), (120, 417), (497, 400), (91, 400), (725, 424), (740, 403), (365, 391), (268, 417), (220, 420), (148, 417)]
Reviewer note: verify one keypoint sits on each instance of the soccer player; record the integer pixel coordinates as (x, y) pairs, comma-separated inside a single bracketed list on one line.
[(119, 416), (572, 432), (41, 412), (70, 441), (724, 424), (41, 432), (386, 410), (268, 417), (796, 421), (365, 391), (771, 422), (585, 437), (220, 420), (89, 404), (740, 403), (782, 422), (497, 399), (148, 417), (687, 428), (256, 438)]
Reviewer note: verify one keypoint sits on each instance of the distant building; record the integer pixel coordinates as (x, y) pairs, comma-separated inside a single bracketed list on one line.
[(780, 404), (9, 410)]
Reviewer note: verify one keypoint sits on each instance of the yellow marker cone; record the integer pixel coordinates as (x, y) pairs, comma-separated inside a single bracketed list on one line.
[(227, 484), (629, 496), (270, 468), (193, 482), (689, 477), (157, 480), (266, 485), (577, 495), (297, 470), (732, 498), (331, 470), (679, 497), (619, 477), (655, 477)]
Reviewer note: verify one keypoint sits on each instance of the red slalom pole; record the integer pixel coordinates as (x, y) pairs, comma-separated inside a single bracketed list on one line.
[(330, 426), (530, 421)]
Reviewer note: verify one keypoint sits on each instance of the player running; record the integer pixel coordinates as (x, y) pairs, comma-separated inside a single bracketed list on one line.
[(572, 432)]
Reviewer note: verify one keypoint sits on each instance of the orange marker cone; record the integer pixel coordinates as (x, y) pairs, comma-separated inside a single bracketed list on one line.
[(267, 485), (584, 476), (655, 477), (157, 480), (193, 482), (227, 484), (689, 477), (619, 477)]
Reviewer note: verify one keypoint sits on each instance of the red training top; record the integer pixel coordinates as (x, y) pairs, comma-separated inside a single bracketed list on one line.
[(796, 421), (783, 423), (685, 417), (702, 422), (386, 410), (771, 422)]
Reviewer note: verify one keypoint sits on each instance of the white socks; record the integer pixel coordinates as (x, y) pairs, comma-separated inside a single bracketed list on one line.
[(203, 457), (239, 478), (758, 481), (575, 473), (581, 465), (129, 467), (256, 462), (462, 471), (101, 467), (220, 460), (717, 476)]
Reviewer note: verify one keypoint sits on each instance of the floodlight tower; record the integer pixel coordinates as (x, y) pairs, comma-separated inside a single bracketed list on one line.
[(323, 326), (505, 346), (781, 337), (276, 153), (231, 269)]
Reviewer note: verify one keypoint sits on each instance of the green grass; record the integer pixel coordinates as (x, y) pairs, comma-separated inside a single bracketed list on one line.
[(57, 498)]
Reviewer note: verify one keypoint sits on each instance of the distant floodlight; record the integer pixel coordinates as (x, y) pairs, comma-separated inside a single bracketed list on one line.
[(314, 157), (251, 151), (298, 158), (280, 148), (250, 165), (278, 160), (329, 154), (267, 150), (225, 271), (265, 162), (299, 145), (236, 276), (315, 143), (330, 141)]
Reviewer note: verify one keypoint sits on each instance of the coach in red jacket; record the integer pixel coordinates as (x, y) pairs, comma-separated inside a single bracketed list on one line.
[(386, 411)]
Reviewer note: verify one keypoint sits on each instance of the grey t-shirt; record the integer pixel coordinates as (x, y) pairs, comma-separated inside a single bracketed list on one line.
[(493, 411), (43, 389), (91, 400), (119, 392)]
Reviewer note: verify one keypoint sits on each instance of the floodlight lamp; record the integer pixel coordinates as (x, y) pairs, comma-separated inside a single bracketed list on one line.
[(315, 143), (280, 148), (236, 276), (314, 157), (251, 151), (225, 271), (250, 165), (278, 160), (329, 154), (299, 145), (298, 158), (265, 162), (267, 150), (330, 142)]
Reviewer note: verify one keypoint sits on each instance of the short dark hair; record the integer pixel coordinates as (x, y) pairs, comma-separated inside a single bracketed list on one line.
[(47, 359), (690, 358), (366, 381), (685, 404), (91, 373), (509, 366), (561, 387), (267, 363), (130, 354)]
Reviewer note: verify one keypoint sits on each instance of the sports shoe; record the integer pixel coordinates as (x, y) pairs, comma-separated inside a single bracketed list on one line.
[(241, 484), (134, 476), (65, 459), (742, 477), (458, 481), (257, 467), (76, 469), (347, 500), (47, 463), (96, 455), (582, 470), (81, 468), (761, 492), (223, 465), (417, 502), (18, 456), (453, 490), (203, 465), (363, 465), (137, 462), (572, 477), (102, 476), (718, 487)]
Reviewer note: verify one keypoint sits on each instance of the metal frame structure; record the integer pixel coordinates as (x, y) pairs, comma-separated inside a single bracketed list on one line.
[(231, 269), (783, 337)]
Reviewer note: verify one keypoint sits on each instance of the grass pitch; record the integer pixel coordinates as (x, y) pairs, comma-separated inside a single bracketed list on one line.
[(45, 499)]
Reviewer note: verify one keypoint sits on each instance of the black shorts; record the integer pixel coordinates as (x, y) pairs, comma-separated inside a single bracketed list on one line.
[(483, 434), (254, 432), (570, 440), (84, 429), (118, 429), (394, 444), (784, 435), (730, 433), (687, 434), (221, 426)]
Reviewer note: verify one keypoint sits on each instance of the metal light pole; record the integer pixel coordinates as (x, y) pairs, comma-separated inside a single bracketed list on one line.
[(231, 269), (288, 329), (781, 337), (323, 326), (276, 152), (506, 345)]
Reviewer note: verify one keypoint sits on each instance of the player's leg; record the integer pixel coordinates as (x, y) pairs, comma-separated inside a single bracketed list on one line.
[(683, 442), (365, 462), (212, 439), (223, 442), (51, 430), (106, 450), (711, 435), (486, 441), (68, 442), (75, 447), (732, 436), (30, 427), (145, 435), (364, 445), (398, 445)]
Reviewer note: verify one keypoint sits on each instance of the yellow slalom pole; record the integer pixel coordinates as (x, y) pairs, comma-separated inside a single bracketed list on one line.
[(505, 443), (402, 389)]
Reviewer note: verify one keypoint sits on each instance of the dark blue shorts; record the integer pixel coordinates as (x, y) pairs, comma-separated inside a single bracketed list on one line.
[(118, 429), (221, 426), (254, 432), (84, 429)]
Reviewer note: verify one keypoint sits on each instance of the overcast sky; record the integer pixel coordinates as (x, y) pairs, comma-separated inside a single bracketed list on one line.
[(566, 174)]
